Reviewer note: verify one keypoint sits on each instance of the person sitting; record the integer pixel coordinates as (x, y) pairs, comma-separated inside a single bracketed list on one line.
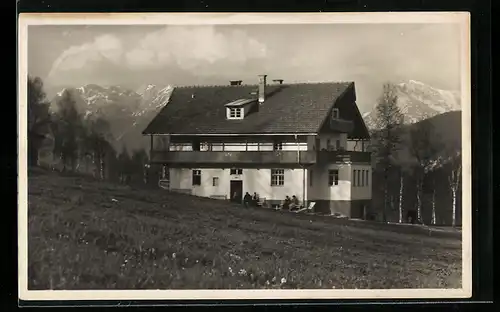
[(286, 203), (294, 203), (255, 199), (247, 199)]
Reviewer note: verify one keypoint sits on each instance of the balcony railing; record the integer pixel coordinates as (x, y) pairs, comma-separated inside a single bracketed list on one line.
[(230, 158), (341, 125), (254, 158)]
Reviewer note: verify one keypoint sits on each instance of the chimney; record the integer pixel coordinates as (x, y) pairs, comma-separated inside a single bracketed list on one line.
[(235, 82), (262, 88), (280, 81)]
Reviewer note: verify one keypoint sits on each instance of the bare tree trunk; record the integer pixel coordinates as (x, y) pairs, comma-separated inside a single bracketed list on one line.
[(101, 168), (384, 217), (434, 206), (419, 201), (401, 181), (454, 194)]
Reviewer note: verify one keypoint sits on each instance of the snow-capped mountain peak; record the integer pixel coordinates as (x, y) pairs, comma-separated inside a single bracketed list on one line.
[(418, 101), (127, 111)]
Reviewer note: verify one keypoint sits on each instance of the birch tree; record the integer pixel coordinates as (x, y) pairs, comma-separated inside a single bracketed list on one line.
[(454, 180), (387, 138), (423, 148)]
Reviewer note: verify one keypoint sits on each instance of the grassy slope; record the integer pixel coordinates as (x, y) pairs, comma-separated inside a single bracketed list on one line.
[(80, 238)]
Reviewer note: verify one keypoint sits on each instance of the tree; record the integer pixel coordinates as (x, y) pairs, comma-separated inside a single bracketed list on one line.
[(96, 143), (454, 180), (125, 164), (387, 138), (68, 129), (424, 150), (139, 161), (38, 118)]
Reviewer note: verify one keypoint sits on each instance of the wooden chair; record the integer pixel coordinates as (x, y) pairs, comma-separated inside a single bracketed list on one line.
[(310, 207)]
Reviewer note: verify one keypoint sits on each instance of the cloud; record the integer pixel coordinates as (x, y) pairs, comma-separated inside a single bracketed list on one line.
[(192, 48), (102, 48), (196, 49)]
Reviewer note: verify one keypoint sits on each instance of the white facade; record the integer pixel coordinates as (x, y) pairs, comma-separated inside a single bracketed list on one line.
[(361, 180), (254, 180)]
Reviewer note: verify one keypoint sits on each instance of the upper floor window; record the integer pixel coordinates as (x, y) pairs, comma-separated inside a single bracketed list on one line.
[(354, 176), (196, 177), (277, 177), (234, 112), (278, 146), (333, 177), (236, 171), (215, 181), (335, 113)]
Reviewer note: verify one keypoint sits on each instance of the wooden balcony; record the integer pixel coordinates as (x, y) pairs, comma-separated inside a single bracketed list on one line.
[(254, 159), (228, 159), (341, 125)]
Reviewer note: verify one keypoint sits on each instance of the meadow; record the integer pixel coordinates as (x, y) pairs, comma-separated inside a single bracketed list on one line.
[(86, 234)]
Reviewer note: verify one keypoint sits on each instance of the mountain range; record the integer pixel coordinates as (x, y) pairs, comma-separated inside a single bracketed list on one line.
[(129, 111), (419, 101)]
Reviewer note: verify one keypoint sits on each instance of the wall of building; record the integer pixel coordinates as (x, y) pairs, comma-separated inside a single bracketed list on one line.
[(361, 188), (254, 180)]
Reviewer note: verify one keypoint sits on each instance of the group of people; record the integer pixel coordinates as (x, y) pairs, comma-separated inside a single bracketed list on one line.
[(291, 203), (249, 200), (254, 201)]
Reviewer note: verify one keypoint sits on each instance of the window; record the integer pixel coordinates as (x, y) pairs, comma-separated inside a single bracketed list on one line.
[(359, 177), (277, 177), (333, 177), (236, 171), (310, 177), (335, 113), (278, 146), (215, 181), (354, 181), (337, 145), (196, 177), (363, 178), (367, 175), (234, 112)]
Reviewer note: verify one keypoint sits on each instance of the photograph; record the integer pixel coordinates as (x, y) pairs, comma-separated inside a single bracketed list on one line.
[(244, 156)]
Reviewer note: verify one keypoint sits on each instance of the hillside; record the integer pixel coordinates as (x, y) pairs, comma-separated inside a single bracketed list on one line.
[(94, 235)]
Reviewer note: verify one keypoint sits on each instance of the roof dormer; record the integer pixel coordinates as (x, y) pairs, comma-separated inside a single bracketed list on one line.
[(240, 108)]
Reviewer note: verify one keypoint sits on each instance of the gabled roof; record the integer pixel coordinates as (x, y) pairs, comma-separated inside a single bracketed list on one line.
[(288, 108)]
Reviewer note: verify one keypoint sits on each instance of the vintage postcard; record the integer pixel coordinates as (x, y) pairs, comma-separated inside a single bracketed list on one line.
[(244, 156)]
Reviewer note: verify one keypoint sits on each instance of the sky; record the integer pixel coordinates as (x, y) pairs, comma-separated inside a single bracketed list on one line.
[(137, 55)]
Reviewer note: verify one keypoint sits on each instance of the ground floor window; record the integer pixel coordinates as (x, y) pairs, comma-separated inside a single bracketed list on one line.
[(196, 177), (333, 177), (277, 177), (215, 181), (366, 176)]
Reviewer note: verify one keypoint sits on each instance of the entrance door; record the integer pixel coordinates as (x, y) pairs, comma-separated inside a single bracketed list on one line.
[(236, 190)]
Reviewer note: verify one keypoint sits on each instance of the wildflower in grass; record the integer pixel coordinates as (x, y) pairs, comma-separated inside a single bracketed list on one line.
[(173, 255), (274, 279), (242, 272), (268, 283), (283, 280)]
